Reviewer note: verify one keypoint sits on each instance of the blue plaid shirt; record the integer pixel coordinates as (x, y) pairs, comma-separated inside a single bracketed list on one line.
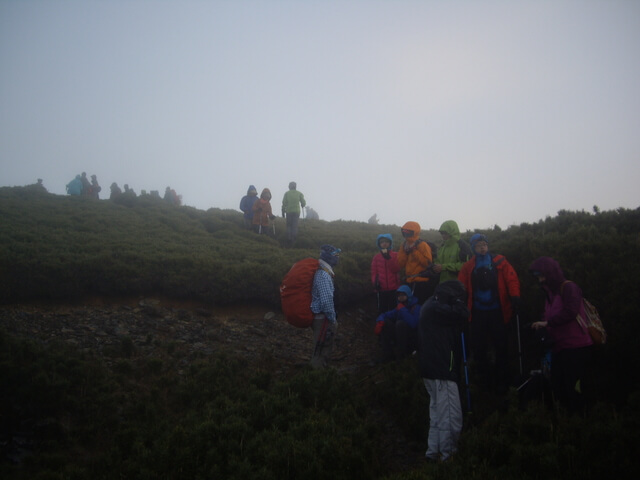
[(322, 292)]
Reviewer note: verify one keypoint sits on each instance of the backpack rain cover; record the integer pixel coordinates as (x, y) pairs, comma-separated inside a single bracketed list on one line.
[(295, 292)]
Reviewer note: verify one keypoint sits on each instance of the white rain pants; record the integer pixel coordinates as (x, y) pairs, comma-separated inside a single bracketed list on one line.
[(445, 414)]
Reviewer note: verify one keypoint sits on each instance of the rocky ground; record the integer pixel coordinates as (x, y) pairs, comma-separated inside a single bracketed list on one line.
[(153, 327)]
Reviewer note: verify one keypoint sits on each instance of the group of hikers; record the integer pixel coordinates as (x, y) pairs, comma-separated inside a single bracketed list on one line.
[(454, 291), (170, 195), (258, 214), (81, 186)]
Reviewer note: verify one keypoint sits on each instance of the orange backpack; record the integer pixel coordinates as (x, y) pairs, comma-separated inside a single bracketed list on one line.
[(295, 292)]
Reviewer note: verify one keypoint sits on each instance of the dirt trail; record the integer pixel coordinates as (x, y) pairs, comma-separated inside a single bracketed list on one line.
[(180, 332)]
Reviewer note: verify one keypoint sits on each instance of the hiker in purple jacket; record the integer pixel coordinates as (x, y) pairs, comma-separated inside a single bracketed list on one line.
[(570, 342)]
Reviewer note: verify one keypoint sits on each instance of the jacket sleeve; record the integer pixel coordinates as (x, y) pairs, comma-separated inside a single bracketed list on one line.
[(423, 253), (374, 269), (451, 266)]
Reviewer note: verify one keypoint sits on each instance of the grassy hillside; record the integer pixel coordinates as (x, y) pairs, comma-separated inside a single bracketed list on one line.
[(221, 419), (62, 247)]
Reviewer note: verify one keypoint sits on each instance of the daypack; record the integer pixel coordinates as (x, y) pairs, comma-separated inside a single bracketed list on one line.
[(592, 323), (465, 250), (295, 292)]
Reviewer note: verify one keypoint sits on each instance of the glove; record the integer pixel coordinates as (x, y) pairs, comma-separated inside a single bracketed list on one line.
[(379, 325), (515, 305)]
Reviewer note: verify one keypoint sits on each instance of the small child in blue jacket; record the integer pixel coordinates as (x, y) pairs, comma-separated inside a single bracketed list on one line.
[(398, 328)]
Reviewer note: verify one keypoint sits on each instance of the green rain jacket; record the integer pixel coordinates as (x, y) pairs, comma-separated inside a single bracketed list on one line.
[(291, 201), (449, 253)]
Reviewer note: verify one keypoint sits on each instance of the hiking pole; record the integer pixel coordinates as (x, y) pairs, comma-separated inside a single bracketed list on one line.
[(466, 373), (519, 343)]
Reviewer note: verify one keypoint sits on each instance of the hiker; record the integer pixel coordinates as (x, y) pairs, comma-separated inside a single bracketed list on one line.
[(384, 273), (440, 350), (246, 205), (129, 191), (74, 187), (493, 297), (115, 191), (325, 321), (311, 214), (262, 213), (95, 188), (452, 254), (571, 344), (39, 186), (291, 203), (86, 185), (171, 197), (415, 256), (398, 328)]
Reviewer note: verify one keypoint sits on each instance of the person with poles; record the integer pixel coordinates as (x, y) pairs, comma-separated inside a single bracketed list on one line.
[(415, 257), (384, 273), (493, 292), (325, 320), (452, 254), (291, 203), (398, 328), (439, 355), (262, 213), (246, 206), (571, 344)]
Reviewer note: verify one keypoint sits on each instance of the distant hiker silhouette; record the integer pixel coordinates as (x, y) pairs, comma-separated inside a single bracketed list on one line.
[(115, 191), (74, 187), (246, 206), (95, 188), (171, 197), (311, 214), (86, 185)]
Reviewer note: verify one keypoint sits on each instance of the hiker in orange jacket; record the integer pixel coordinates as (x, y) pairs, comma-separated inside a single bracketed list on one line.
[(415, 257), (493, 296), (262, 213)]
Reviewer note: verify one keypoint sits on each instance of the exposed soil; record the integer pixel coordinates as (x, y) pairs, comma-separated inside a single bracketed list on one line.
[(180, 332)]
